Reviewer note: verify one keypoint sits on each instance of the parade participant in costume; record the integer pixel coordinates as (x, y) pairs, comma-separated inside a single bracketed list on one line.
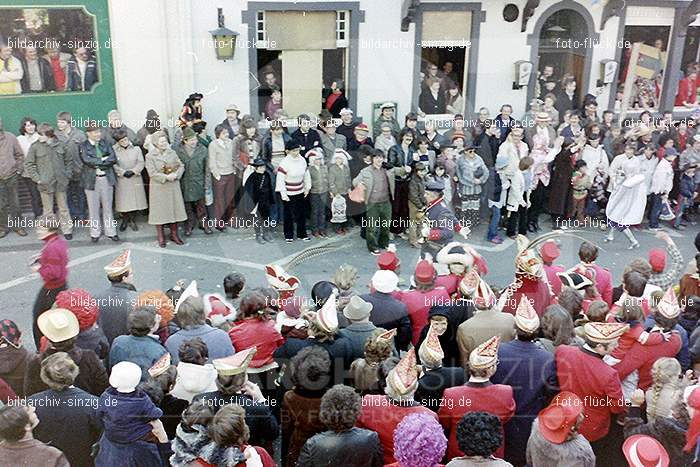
[(549, 252), (588, 253), (364, 372), (439, 223), (454, 260), (419, 300), (284, 283), (191, 110), (436, 378), (293, 183), (383, 413), (628, 197), (496, 399), (52, 266), (388, 260), (387, 311), (116, 301), (165, 196), (583, 372), (529, 369), (446, 319), (260, 197), (194, 158), (555, 439), (530, 277), (220, 312)]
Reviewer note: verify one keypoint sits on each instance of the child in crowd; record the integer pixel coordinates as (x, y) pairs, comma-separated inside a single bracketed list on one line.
[(497, 198), (258, 187), (581, 183), (686, 195), (340, 183), (519, 198), (661, 185), (596, 312), (439, 173), (191, 434), (667, 387), (319, 193), (364, 372)]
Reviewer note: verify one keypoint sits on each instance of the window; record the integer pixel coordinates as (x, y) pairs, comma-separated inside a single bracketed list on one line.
[(341, 28), (260, 32)]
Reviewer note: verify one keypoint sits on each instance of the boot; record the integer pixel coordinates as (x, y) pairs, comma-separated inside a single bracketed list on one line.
[(132, 223), (161, 236), (204, 225), (259, 235), (188, 228), (267, 236), (123, 224), (174, 235)]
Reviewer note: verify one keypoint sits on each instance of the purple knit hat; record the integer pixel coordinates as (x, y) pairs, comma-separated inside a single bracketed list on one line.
[(419, 441), (10, 333)]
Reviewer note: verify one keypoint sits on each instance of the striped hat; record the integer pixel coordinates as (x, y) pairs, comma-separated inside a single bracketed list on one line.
[(526, 318), (485, 355)]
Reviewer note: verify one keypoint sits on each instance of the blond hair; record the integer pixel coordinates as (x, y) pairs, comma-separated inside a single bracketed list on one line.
[(665, 372)]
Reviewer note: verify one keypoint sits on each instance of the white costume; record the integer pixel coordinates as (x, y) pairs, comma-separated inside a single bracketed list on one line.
[(628, 199)]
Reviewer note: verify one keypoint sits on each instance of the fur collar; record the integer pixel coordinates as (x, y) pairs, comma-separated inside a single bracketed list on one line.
[(222, 457), (188, 444)]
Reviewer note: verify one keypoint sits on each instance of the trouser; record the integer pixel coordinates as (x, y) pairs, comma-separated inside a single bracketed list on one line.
[(196, 212), (537, 200), (378, 220), (35, 195), (608, 449), (319, 204), (102, 196), (399, 208), (9, 203), (224, 191), (77, 202), (414, 215), (517, 220), (493, 225), (293, 213), (578, 211), (44, 301), (683, 205), (63, 212), (655, 210)]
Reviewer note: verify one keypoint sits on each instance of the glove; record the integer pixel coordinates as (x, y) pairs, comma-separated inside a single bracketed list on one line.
[(128, 174), (285, 197), (464, 232), (425, 231)]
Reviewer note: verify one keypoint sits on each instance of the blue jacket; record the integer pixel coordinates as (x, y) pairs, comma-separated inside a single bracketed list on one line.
[(73, 79), (687, 187), (143, 351), (218, 342)]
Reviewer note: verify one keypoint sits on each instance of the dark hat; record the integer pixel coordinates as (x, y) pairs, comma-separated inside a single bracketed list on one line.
[(257, 162), (435, 185), (188, 133), (458, 117), (420, 166), (92, 125), (412, 116), (440, 310), (291, 145), (195, 96)]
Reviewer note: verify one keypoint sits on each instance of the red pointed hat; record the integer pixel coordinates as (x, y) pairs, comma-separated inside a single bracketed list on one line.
[(526, 318), (403, 378), (485, 355), (425, 272), (160, 366), (557, 419), (430, 351), (645, 451)]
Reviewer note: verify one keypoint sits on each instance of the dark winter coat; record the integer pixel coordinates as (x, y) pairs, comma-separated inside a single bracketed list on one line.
[(68, 422), (357, 335), (192, 181), (141, 350), (73, 78), (47, 80), (308, 141), (94, 339), (340, 351), (416, 191), (300, 421), (432, 385), (92, 376), (561, 193), (115, 303), (430, 105), (356, 447), (13, 363), (91, 162), (389, 313)]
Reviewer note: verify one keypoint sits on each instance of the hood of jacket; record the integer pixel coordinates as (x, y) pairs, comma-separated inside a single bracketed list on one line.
[(195, 379)]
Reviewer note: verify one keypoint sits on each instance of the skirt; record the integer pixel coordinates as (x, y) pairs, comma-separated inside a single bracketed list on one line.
[(469, 208)]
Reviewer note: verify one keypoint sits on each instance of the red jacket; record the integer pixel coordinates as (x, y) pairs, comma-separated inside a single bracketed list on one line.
[(586, 374), (252, 332), (537, 292), (554, 281), (419, 303), (449, 282), (687, 91), (53, 262), (496, 399), (382, 415), (642, 356)]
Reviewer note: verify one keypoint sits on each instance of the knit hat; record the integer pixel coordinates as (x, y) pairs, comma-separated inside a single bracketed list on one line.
[(388, 260), (357, 308), (526, 318), (160, 366), (234, 364), (668, 305), (345, 111), (604, 333), (10, 333), (81, 304), (387, 105), (291, 145), (313, 154), (120, 265), (657, 259), (485, 355), (342, 153), (362, 127), (125, 377), (327, 316), (403, 378), (458, 135), (557, 419), (425, 272), (385, 281), (549, 251), (58, 324), (645, 451), (190, 291), (430, 351)]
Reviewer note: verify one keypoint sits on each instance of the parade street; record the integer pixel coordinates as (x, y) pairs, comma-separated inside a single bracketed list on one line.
[(207, 259)]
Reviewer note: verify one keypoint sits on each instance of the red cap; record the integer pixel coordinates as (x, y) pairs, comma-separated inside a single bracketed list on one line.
[(425, 272), (549, 251), (388, 261), (645, 451), (362, 126), (560, 416), (657, 259)]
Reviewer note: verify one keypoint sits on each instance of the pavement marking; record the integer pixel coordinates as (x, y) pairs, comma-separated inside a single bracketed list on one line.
[(200, 256), (76, 262)]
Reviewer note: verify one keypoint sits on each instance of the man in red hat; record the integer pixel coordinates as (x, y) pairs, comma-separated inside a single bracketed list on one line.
[(661, 276), (425, 295), (583, 372), (588, 253), (555, 439), (549, 252)]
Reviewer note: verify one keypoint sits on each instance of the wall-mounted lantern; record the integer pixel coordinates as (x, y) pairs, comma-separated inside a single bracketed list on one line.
[(224, 39), (523, 70), (608, 69)]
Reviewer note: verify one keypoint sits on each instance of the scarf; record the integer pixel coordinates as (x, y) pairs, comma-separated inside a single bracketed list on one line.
[(229, 456)]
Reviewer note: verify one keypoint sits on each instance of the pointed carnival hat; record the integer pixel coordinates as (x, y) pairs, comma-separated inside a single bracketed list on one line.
[(469, 283), (387, 336), (160, 366), (526, 318), (120, 265), (668, 305), (430, 351), (403, 378), (485, 355), (190, 291), (604, 333), (285, 284), (327, 316), (484, 298), (235, 364)]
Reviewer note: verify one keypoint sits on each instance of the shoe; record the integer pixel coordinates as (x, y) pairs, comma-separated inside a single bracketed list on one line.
[(306, 239), (267, 236), (132, 224), (633, 246), (679, 227), (188, 229), (122, 224), (289, 240), (259, 239), (94, 239), (654, 229), (607, 240), (114, 238), (21, 232), (3, 233), (375, 252), (68, 236)]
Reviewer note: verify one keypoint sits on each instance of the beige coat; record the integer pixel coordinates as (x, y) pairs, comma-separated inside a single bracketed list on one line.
[(166, 203), (130, 195)]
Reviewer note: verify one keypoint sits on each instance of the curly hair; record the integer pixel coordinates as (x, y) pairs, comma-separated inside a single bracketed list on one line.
[(13, 422), (597, 311), (557, 325), (340, 408), (161, 302), (58, 371), (254, 305), (570, 300), (320, 334), (640, 265), (310, 369), (345, 277), (376, 351), (81, 304), (194, 351), (479, 434), (228, 427), (419, 441)]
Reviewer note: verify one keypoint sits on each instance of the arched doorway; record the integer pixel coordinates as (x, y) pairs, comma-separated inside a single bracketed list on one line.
[(564, 37)]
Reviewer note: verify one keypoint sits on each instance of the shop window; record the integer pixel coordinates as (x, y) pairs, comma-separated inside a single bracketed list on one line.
[(48, 50)]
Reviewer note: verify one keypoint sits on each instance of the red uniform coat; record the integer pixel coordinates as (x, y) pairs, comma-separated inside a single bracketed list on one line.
[(382, 415), (418, 304), (603, 281), (642, 356), (537, 292), (53, 262), (598, 385), (687, 91), (449, 282), (496, 399), (554, 281), (252, 332)]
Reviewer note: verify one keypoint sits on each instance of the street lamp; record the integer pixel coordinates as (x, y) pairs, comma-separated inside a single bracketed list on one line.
[(224, 39)]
